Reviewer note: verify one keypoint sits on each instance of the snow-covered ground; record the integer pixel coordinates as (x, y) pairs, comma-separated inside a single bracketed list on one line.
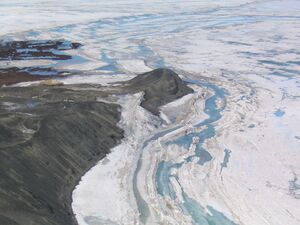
[(247, 138)]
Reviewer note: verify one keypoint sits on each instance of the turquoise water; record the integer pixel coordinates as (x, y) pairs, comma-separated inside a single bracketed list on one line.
[(279, 113), (141, 203), (200, 217), (153, 59), (230, 31), (163, 174), (162, 178), (214, 114), (111, 64)]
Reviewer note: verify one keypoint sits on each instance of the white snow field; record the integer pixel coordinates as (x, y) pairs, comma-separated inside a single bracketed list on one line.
[(228, 154)]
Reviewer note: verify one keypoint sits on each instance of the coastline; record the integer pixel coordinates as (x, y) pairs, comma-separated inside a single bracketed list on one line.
[(227, 153), (57, 133)]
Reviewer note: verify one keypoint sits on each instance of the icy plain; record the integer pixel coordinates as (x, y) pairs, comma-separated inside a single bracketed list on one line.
[(227, 154)]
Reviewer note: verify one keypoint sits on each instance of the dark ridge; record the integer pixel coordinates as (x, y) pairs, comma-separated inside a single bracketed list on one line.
[(161, 86), (50, 136), (14, 75), (33, 50), (46, 145)]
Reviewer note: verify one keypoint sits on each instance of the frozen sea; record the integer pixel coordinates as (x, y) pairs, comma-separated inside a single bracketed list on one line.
[(232, 157)]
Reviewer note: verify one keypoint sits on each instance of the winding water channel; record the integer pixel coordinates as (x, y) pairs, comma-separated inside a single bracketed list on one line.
[(163, 173)]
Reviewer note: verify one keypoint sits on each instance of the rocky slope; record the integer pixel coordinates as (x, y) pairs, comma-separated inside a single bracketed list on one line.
[(51, 135), (160, 86)]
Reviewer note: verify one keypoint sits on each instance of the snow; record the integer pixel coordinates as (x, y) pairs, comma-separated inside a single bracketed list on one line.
[(249, 48), (112, 175)]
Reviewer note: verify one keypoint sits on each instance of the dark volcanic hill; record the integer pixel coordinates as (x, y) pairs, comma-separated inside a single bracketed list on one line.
[(51, 135), (161, 86), (46, 145)]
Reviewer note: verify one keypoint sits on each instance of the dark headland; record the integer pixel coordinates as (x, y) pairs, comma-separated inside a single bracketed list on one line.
[(50, 136), (32, 50), (36, 49)]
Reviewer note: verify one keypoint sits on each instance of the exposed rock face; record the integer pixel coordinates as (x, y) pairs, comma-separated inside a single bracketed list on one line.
[(161, 86), (14, 75), (46, 145), (48, 49), (32, 50), (51, 135)]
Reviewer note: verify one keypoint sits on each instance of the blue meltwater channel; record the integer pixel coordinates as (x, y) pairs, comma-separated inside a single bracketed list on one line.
[(163, 174)]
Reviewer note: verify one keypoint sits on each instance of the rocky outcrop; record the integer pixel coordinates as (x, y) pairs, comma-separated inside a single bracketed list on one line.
[(32, 50), (46, 144), (51, 135), (14, 75), (36, 49), (161, 86)]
